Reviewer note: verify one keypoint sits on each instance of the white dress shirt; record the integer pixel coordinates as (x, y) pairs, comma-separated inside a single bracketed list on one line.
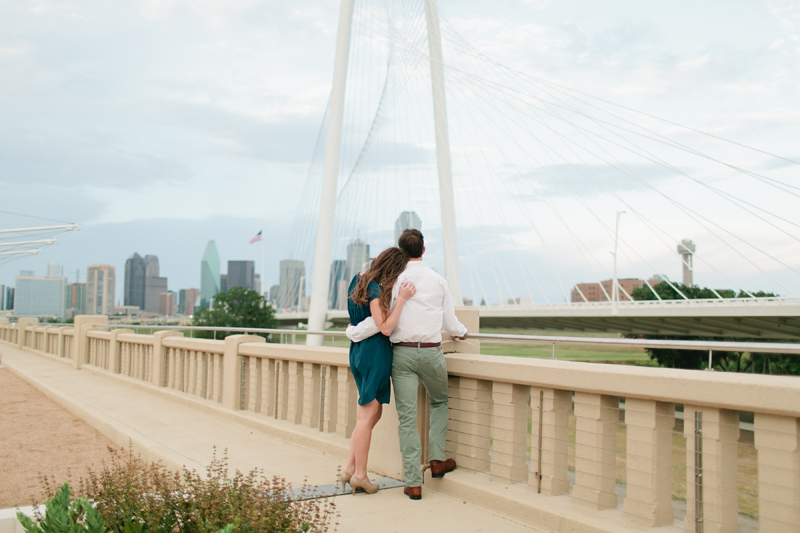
[(424, 316)]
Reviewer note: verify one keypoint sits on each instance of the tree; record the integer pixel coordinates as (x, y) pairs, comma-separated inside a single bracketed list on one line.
[(724, 361), (237, 308)]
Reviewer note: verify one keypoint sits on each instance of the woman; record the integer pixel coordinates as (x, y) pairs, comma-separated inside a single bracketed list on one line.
[(370, 294)]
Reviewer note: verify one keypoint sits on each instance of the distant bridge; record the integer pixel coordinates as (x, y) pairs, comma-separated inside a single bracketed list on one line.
[(769, 318)]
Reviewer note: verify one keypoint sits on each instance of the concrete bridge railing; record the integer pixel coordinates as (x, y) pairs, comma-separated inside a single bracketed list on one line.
[(569, 446)]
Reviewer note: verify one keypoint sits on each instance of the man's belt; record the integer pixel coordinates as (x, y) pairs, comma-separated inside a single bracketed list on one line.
[(418, 344)]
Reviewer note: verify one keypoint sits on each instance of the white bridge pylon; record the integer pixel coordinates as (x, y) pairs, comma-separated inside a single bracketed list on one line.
[(318, 309)]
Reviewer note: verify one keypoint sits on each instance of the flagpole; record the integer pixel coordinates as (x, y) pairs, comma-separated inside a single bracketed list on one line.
[(263, 281)]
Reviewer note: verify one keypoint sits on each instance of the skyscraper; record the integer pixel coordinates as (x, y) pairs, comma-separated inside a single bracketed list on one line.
[(153, 286), (188, 299), (241, 274), (100, 281), (166, 303), (135, 271), (406, 220), (76, 298), (209, 275), (40, 296), (9, 298), (54, 270), (337, 278), (357, 258), (151, 266), (292, 286)]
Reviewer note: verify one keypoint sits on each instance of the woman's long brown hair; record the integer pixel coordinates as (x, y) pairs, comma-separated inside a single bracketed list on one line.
[(383, 270)]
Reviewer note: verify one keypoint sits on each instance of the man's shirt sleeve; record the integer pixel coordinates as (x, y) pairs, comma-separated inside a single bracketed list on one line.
[(363, 330), (449, 321)]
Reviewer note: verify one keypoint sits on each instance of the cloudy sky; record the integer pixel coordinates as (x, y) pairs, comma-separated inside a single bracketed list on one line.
[(158, 125)]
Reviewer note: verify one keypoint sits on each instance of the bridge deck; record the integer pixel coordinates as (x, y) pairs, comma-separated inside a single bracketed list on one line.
[(178, 434)]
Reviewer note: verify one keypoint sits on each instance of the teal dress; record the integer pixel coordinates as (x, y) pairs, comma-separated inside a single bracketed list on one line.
[(370, 359)]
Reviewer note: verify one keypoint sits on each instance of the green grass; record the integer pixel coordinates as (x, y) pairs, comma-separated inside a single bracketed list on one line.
[(612, 354)]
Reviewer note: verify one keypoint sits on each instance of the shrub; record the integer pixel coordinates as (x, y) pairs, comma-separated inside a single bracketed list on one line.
[(61, 516), (134, 496)]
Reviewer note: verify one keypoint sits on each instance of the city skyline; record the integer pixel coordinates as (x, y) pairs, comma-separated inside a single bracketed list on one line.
[(116, 172)]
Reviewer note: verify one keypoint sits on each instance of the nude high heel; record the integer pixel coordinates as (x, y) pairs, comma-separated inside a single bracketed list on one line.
[(366, 486), (344, 477)]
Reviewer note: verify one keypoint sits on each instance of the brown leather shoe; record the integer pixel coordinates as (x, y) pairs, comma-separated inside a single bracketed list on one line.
[(415, 493), (440, 468)]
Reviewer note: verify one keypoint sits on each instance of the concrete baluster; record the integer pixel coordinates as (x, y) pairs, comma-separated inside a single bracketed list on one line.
[(232, 369), (159, 357), (331, 398), (777, 439), (348, 398), (83, 323), (268, 387), (719, 499), (216, 393), (556, 406), (509, 433), (113, 350), (296, 388), (595, 450), (283, 391), (648, 500), (312, 388), (254, 398), (470, 422), (22, 325)]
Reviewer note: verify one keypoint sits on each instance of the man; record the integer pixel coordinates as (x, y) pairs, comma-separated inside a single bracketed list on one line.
[(417, 355)]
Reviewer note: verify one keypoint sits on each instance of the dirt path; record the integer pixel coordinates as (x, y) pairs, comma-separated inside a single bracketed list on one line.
[(38, 436)]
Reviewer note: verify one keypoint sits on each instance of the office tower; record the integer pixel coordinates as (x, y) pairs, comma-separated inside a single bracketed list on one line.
[(223, 283), (209, 275), (2, 297), (153, 287), (357, 258), (76, 298), (188, 298), (274, 290), (39, 296), (292, 283), (241, 274), (135, 272), (406, 220), (54, 270), (337, 277), (686, 250), (9, 298), (151, 266), (166, 303), (100, 282), (257, 283)]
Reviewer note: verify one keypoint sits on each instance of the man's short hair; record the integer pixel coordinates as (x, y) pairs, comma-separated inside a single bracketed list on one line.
[(412, 242)]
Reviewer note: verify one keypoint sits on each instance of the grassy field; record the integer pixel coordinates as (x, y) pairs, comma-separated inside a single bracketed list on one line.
[(611, 354), (606, 354)]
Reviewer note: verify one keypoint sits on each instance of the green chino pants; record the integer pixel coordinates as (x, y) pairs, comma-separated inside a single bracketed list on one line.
[(409, 366)]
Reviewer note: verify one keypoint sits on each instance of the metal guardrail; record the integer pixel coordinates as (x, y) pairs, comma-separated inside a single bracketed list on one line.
[(709, 346), (706, 302)]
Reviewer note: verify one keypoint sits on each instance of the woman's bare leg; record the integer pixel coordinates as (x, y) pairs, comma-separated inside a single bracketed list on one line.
[(366, 418)]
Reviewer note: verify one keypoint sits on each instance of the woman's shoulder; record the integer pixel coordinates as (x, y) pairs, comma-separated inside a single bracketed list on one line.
[(373, 289)]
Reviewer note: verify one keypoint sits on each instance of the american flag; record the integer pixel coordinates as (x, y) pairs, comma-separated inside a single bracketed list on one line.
[(256, 238)]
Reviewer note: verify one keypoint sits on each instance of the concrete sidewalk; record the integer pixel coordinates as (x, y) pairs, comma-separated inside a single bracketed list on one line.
[(180, 434)]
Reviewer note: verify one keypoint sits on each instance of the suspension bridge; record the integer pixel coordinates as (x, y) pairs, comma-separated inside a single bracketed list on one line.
[(521, 183)]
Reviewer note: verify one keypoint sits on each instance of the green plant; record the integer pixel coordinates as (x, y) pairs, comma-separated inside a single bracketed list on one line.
[(133, 496), (61, 516)]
